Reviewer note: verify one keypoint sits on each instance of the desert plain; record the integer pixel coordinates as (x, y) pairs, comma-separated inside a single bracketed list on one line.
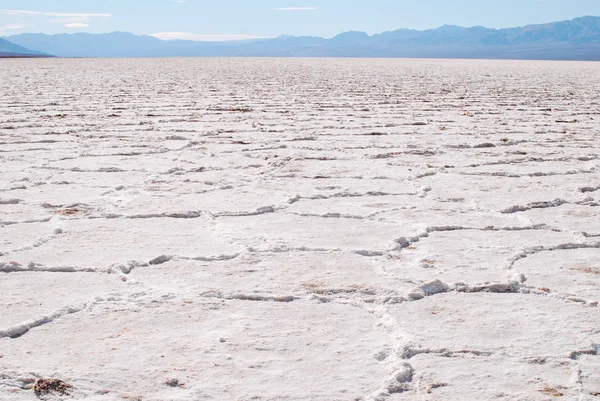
[(299, 229)]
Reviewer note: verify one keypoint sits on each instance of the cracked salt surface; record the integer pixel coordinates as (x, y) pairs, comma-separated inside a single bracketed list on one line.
[(300, 229)]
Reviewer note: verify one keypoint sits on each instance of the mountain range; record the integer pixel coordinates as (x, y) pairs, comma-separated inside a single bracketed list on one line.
[(577, 39), (9, 49)]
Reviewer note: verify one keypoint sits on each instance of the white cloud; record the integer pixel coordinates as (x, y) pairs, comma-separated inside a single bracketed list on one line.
[(211, 37), (296, 8), (52, 14), (76, 25), (71, 20), (13, 26), (9, 27), (84, 15), (19, 12), (68, 20)]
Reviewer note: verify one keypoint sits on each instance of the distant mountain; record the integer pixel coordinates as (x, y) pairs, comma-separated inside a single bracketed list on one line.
[(9, 49), (116, 44), (578, 39)]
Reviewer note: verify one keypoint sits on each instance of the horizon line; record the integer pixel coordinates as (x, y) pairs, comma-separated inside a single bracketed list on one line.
[(244, 37)]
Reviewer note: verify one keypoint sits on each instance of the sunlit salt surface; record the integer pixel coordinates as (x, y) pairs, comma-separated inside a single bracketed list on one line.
[(300, 229)]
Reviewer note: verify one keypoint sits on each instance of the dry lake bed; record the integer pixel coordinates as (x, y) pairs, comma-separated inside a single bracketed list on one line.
[(299, 229)]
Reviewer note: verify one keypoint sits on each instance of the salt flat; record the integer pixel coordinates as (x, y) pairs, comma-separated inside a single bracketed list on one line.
[(300, 229)]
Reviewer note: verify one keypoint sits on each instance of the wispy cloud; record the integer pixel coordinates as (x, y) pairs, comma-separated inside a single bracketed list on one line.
[(76, 25), (208, 37), (19, 12), (84, 15), (71, 20), (296, 8), (68, 20), (13, 26), (51, 14)]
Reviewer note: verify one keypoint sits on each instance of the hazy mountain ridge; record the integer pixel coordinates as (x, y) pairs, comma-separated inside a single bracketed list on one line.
[(9, 49), (577, 39)]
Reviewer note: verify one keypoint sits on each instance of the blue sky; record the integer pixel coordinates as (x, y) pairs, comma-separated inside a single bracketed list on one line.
[(236, 19)]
